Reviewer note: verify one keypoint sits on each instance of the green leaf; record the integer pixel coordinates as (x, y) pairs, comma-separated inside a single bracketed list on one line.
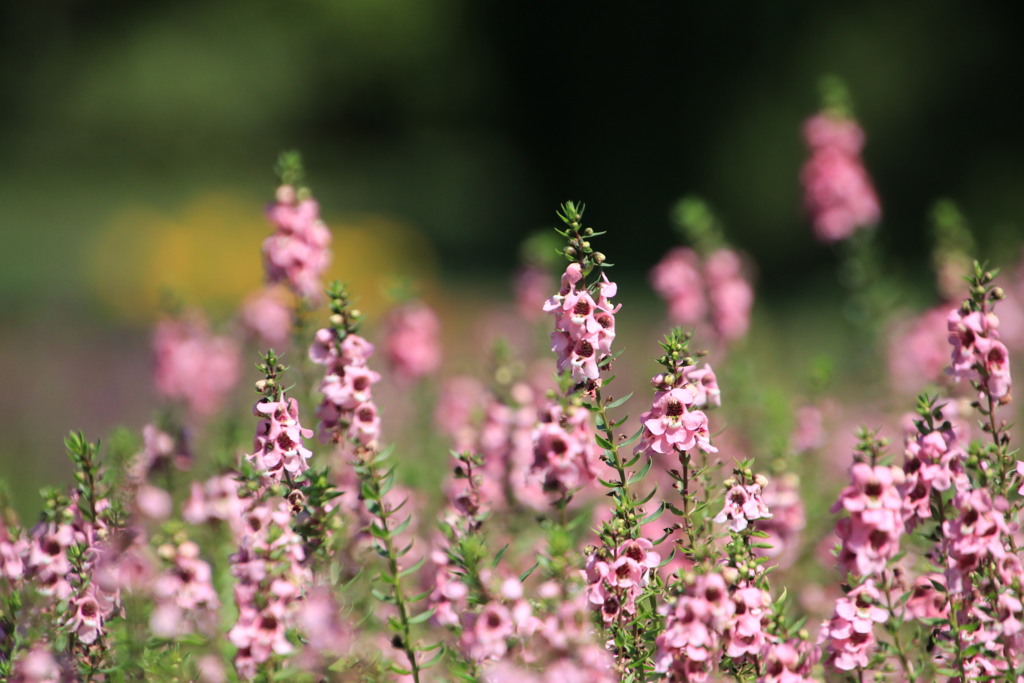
[(525, 575), (619, 401), (632, 439), (653, 516), (413, 569), (422, 616), (435, 659), (642, 472), (402, 526), (498, 555)]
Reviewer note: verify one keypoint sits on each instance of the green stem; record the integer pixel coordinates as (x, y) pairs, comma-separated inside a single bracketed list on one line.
[(372, 479), (908, 669)]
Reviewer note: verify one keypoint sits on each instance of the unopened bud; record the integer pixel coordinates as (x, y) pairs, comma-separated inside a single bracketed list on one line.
[(261, 386), (598, 257), (585, 245), (355, 314), (336, 320), (998, 294), (570, 252)]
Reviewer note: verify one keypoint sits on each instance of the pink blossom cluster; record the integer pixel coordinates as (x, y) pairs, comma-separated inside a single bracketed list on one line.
[(848, 637), (918, 350), (486, 632), (193, 365), (788, 518), (298, 252), (789, 661), (978, 533), (216, 499), (38, 665), (926, 601), (675, 423), (347, 410), (558, 645), (327, 634), (565, 453), (692, 289), (183, 594), (278, 451), (270, 570), (978, 355), (709, 620), (744, 504), (614, 583), (47, 563), (506, 441), (13, 551), (934, 462), (532, 285), (838, 193), (871, 535), (990, 636), (268, 317), (584, 327), (412, 341)]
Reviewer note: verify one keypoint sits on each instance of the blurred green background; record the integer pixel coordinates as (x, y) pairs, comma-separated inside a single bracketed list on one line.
[(138, 141)]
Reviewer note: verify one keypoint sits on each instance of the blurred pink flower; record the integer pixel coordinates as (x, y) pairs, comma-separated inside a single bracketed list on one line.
[(267, 315), (838, 192), (298, 252), (193, 365), (413, 340)]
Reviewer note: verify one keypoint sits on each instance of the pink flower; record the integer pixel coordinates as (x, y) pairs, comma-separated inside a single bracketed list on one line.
[(532, 285), (670, 426), (743, 504), (267, 316), (38, 666), (86, 620), (730, 293), (918, 350), (677, 278), (298, 252), (193, 365), (787, 520), (413, 344), (848, 635), (926, 602), (278, 446), (838, 193), (584, 327)]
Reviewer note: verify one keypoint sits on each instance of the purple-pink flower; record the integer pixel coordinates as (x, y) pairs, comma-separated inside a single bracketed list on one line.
[(298, 252), (838, 193)]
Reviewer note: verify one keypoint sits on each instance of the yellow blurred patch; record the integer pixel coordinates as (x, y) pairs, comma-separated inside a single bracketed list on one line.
[(209, 256)]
